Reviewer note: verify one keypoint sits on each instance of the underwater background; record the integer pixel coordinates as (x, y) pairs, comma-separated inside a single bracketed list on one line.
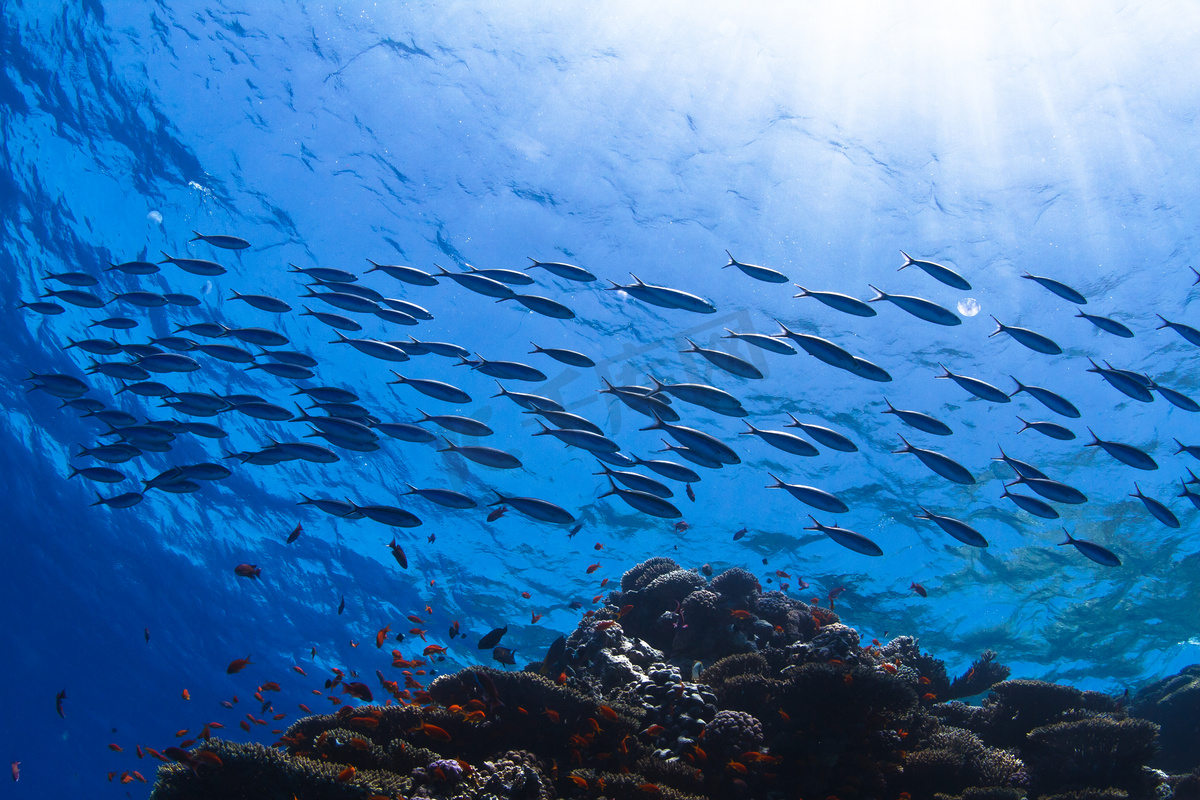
[(997, 139)]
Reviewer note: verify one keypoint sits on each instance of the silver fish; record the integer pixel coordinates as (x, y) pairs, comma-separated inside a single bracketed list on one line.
[(763, 341), (404, 431), (332, 320), (509, 276), (443, 497), (389, 515), (1095, 552), (1034, 506), (956, 528), (586, 440), (666, 297), (945, 466), (374, 348), (840, 302), (76, 297), (412, 309), (125, 500), (532, 402), (1050, 429), (345, 301), (435, 389), (411, 275), (143, 299), (919, 420), (542, 305), (830, 438), (936, 271), (812, 496), (764, 274), (464, 425), (1186, 331), (981, 389), (1122, 382), (1022, 469), (819, 348), (644, 502), (81, 279), (669, 469), (135, 267), (788, 442), (395, 317), (700, 394), (1124, 453), (1051, 400), (846, 538), (446, 349), (1177, 399), (325, 274), (693, 439), (538, 509), (1031, 339), (1053, 490), (562, 419), (694, 456), (505, 370), (1160, 511), (569, 357), (732, 364), (226, 352), (196, 266), (919, 307), (326, 394), (487, 456), (221, 240), (567, 271), (477, 283), (639, 483), (1059, 288), (1107, 325)]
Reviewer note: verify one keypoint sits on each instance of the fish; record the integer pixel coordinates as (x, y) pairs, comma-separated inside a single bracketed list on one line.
[(76, 297), (643, 403), (477, 283), (691, 495), (487, 456), (919, 420), (435, 389), (389, 515), (699, 394), (841, 302), (567, 271), (1124, 382), (1034, 506), (404, 431), (919, 307), (691, 455), (637, 482), (569, 357), (531, 402), (398, 554), (46, 309), (116, 323), (325, 274), (669, 469), (1052, 490), (1050, 429), (464, 425), (237, 665), (644, 502), (1156, 508), (340, 609), (443, 497), (251, 571), (295, 534), (728, 362), (742, 532), (1177, 399), (72, 278), (99, 474), (830, 438), (945, 466), (374, 348), (405, 307), (919, 589), (764, 342), (504, 655), (1051, 400), (143, 299), (542, 305), (1031, 339), (538, 509), (1101, 555), (981, 389), (1190, 495), (263, 302), (1124, 453), (846, 538), (1186, 331), (585, 440), (664, 296), (1107, 324), (810, 496), (497, 514), (562, 419), (221, 240), (821, 349), (410, 275), (62, 695), (936, 271), (347, 301), (196, 266), (126, 500), (332, 320), (506, 370), (492, 638), (1022, 469), (788, 442), (693, 439), (956, 528), (1058, 288), (16, 771)]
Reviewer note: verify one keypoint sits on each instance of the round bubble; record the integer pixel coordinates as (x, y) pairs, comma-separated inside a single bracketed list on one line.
[(968, 306), (155, 217)]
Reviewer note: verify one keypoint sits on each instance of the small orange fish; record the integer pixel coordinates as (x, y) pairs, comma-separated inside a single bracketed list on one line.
[(919, 589), (592, 568), (534, 618), (924, 681), (579, 781), (248, 571), (216, 726), (346, 775), (186, 695), (381, 636), (116, 748), (299, 670), (654, 730), (414, 619), (138, 776), (245, 726), (930, 696), (604, 583), (398, 554), (608, 712), (237, 665), (305, 708), (551, 714), (526, 595), (624, 610), (432, 731), (433, 648), (126, 777), (182, 732), (736, 766), (741, 613), (269, 686)]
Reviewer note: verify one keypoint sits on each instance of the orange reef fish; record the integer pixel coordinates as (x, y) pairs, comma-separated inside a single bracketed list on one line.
[(247, 571), (237, 665), (919, 589), (398, 553)]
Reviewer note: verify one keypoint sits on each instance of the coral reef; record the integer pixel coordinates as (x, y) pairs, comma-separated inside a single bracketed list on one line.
[(1174, 703), (791, 704)]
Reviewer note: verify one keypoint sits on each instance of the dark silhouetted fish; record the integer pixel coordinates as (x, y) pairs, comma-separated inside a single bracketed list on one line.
[(1190, 495), (764, 274), (404, 431), (1123, 382), (492, 638), (919, 307), (920, 421), (46, 309), (389, 515), (395, 317), (568, 271), (639, 483), (562, 419), (532, 402), (542, 305), (81, 279), (945, 466), (196, 266), (332, 320), (181, 299), (1052, 490), (76, 297), (221, 240), (464, 425), (1095, 552), (644, 501), (446, 349), (434, 389), (788, 442), (412, 309), (664, 296), (1034, 506), (410, 275), (227, 352), (1054, 431), (703, 443), (98, 474), (1107, 325), (569, 357), (537, 509), (830, 438), (505, 370), (143, 299), (116, 323), (763, 342), (125, 500), (259, 336), (1031, 339), (1177, 399), (1022, 469), (981, 389), (936, 271), (585, 440), (487, 456), (1051, 400), (135, 267), (819, 348), (477, 283), (509, 276), (700, 394), (1124, 453), (847, 538), (1059, 288), (812, 496), (374, 348), (346, 302), (1160, 511), (732, 364), (616, 459), (443, 497), (504, 655), (325, 274), (335, 508), (840, 302), (956, 528), (694, 456), (669, 470), (263, 302), (327, 394)]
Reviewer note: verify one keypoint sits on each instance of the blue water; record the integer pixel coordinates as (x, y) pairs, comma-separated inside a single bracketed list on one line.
[(642, 138)]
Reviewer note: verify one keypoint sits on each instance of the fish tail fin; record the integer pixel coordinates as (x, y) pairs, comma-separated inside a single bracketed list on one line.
[(374, 266), (803, 292), (1095, 439), (999, 326), (908, 260), (424, 417), (341, 338), (1069, 540), (166, 258), (1020, 386), (657, 425), (659, 386), (731, 335), (891, 409), (906, 449), (879, 295), (534, 264), (450, 446), (99, 499), (636, 278), (784, 330), (1025, 422), (545, 430), (1165, 323), (778, 482), (732, 260), (399, 378), (611, 490), (196, 236), (1177, 452), (750, 430), (441, 270), (694, 348), (74, 471)]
